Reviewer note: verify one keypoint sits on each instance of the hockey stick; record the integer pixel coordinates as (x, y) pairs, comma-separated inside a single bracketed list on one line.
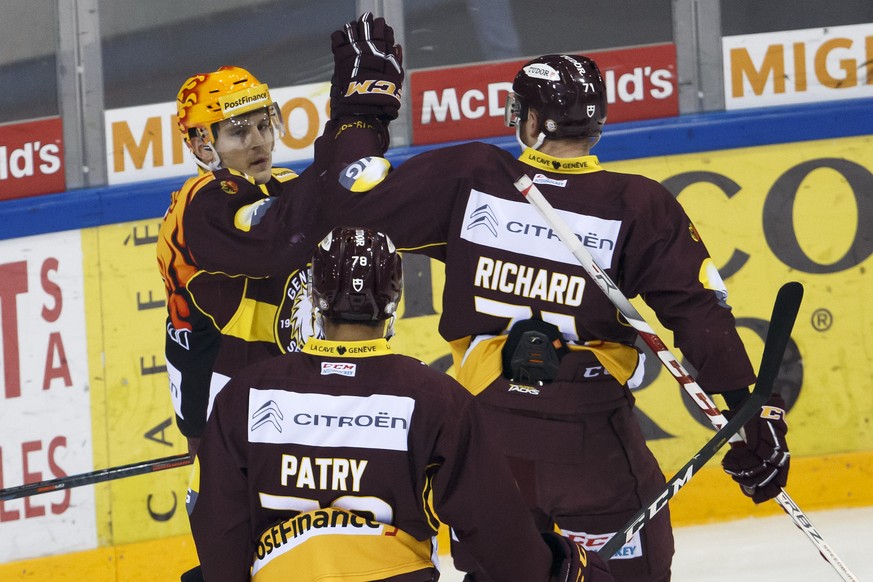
[(781, 322), (533, 195), (98, 476)]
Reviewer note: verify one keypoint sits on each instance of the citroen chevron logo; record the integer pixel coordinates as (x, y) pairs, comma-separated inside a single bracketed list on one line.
[(484, 216), (268, 413)]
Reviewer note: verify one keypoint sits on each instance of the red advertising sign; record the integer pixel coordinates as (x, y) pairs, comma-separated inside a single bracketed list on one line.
[(31, 158), (459, 103)]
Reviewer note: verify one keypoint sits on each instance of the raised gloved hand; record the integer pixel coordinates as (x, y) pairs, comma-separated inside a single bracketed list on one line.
[(572, 563), (761, 466), (368, 71)]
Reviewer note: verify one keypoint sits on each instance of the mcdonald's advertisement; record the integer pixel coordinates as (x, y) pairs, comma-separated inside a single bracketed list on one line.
[(84, 381)]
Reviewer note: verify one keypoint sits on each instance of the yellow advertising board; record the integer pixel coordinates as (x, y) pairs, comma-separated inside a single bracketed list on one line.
[(131, 409), (773, 214)]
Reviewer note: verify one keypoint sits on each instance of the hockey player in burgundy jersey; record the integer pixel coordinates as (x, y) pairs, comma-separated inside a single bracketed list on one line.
[(544, 350), (337, 462), (240, 224)]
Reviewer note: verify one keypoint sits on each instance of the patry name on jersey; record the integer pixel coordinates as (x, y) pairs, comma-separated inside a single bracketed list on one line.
[(325, 473)]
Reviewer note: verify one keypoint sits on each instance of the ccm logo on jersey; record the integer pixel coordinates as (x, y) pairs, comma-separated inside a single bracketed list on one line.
[(340, 368), (524, 389)]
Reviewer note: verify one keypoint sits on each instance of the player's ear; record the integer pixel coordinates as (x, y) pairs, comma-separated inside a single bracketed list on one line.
[(202, 149), (532, 122)]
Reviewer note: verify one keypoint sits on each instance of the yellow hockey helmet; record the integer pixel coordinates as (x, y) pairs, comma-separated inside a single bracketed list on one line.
[(207, 98)]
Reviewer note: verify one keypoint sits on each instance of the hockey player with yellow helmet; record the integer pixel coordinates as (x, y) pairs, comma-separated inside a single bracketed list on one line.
[(240, 223), (232, 103)]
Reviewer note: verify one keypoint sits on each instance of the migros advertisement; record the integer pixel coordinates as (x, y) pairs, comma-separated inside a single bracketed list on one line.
[(798, 66), (144, 143), (768, 215)]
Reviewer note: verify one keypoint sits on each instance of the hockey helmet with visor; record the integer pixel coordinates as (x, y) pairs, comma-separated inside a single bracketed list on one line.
[(206, 99), (566, 91)]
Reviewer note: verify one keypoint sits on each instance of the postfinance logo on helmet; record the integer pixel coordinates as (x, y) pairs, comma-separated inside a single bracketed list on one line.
[(245, 100)]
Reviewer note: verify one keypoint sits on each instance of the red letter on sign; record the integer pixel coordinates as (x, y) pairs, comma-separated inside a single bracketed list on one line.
[(13, 281), (52, 289), (62, 370), (6, 515), (36, 477), (56, 442)]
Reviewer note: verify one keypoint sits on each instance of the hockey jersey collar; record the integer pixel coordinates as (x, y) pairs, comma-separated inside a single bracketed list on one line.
[(541, 161), (360, 349)]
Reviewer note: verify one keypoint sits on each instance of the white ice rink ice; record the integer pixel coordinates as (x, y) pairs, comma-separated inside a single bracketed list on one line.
[(769, 549)]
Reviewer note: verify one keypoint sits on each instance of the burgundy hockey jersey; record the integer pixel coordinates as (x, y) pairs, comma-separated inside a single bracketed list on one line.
[(504, 264), (351, 426)]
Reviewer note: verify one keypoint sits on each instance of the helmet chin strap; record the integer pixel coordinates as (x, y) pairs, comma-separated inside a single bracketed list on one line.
[(318, 332), (389, 331), (212, 166), (536, 146)]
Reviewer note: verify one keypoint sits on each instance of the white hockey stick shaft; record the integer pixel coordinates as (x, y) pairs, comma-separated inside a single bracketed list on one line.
[(533, 195)]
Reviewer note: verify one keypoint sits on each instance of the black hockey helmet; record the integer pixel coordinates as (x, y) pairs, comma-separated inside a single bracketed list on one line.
[(356, 274), (566, 90)]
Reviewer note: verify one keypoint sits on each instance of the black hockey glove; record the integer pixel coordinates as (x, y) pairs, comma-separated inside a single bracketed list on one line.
[(368, 70), (761, 466), (572, 563)]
